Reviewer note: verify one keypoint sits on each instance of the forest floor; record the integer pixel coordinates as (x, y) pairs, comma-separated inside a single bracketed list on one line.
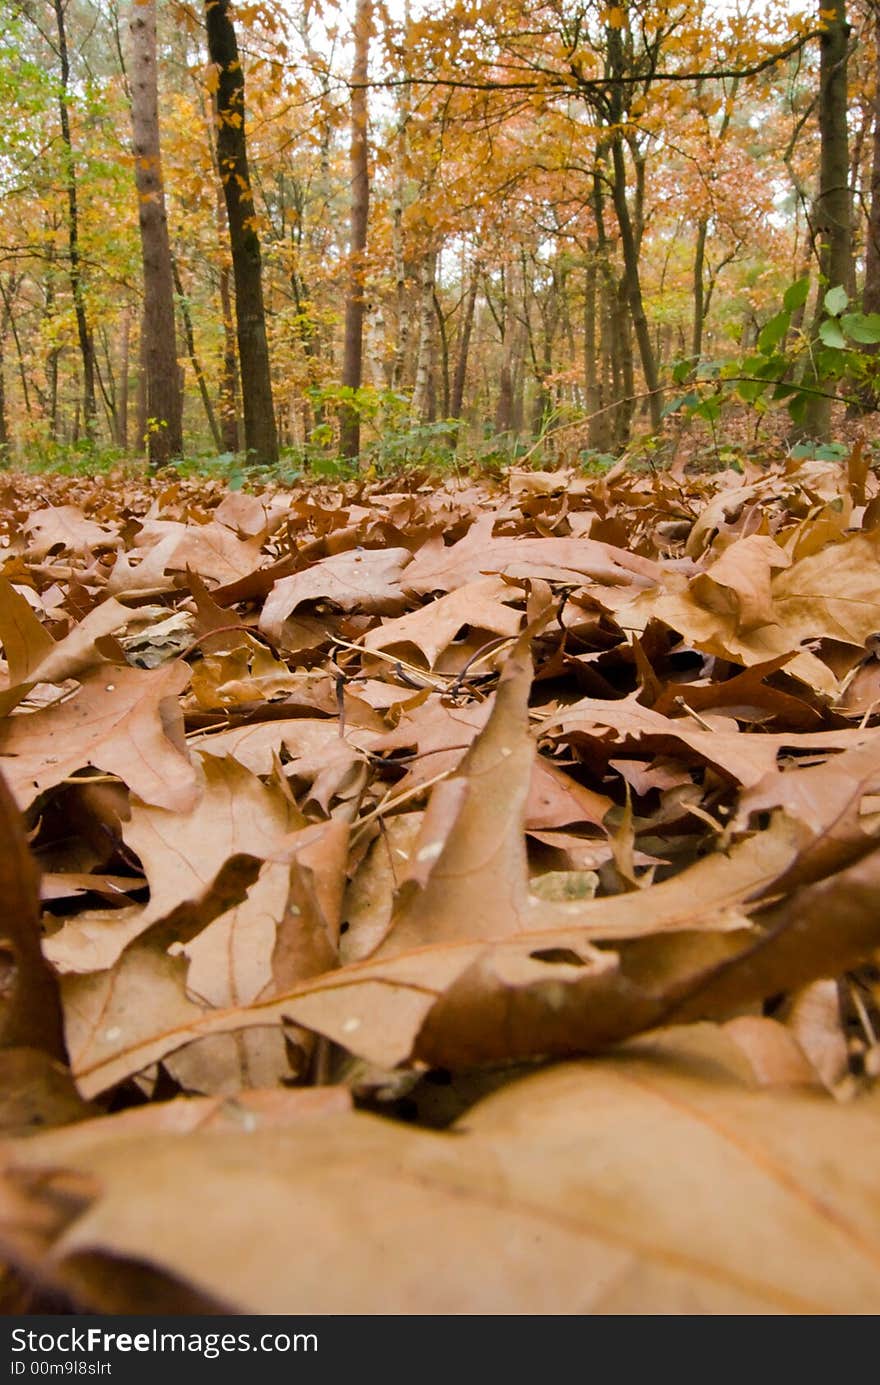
[(448, 896)]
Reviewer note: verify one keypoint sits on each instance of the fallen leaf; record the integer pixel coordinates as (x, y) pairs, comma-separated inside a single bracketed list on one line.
[(653, 1182), (368, 579), (125, 721), (31, 1018)]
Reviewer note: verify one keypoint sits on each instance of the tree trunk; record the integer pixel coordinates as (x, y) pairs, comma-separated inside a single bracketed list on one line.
[(632, 282), (108, 388), (189, 337), (355, 301), (4, 422), (831, 214), (164, 396), (228, 392), (871, 293), (9, 293), (699, 292), (603, 426), (125, 330), (422, 386), (260, 433), (591, 360), (54, 353), (402, 303), (86, 345), (622, 355), (444, 354), (456, 401), (141, 397)]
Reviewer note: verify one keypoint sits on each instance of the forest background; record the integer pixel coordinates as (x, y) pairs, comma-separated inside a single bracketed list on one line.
[(415, 232)]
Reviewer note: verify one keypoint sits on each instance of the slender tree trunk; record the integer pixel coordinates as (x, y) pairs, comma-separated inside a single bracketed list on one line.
[(108, 392), (621, 336), (260, 433), (229, 368), (831, 213), (86, 345), (632, 282), (125, 330), (141, 407), (504, 406), (444, 353), (401, 148), (509, 408), (9, 293), (54, 353), (602, 436), (456, 401), (591, 362), (699, 291), (164, 395), (422, 386), (4, 422), (228, 392), (52, 377), (603, 427), (189, 337), (312, 410), (871, 293), (355, 302)]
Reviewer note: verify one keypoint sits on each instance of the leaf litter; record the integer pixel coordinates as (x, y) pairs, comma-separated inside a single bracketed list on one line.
[(441, 873)]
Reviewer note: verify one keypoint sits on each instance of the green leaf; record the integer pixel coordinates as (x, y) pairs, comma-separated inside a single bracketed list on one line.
[(709, 408), (796, 294), (836, 300), (772, 332), (831, 362), (772, 368), (831, 334), (750, 390), (862, 327), (681, 370), (797, 408), (821, 451)]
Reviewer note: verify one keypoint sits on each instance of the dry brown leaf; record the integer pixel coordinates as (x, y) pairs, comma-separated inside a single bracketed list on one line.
[(813, 1017), (653, 1182), (497, 999), (748, 757), (36, 1093), (467, 877), (123, 720), (55, 662), (482, 606), (182, 855), (65, 527), (164, 548), (572, 561), (739, 581), (24, 637), (832, 594), (31, 1017), (367, 580)]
